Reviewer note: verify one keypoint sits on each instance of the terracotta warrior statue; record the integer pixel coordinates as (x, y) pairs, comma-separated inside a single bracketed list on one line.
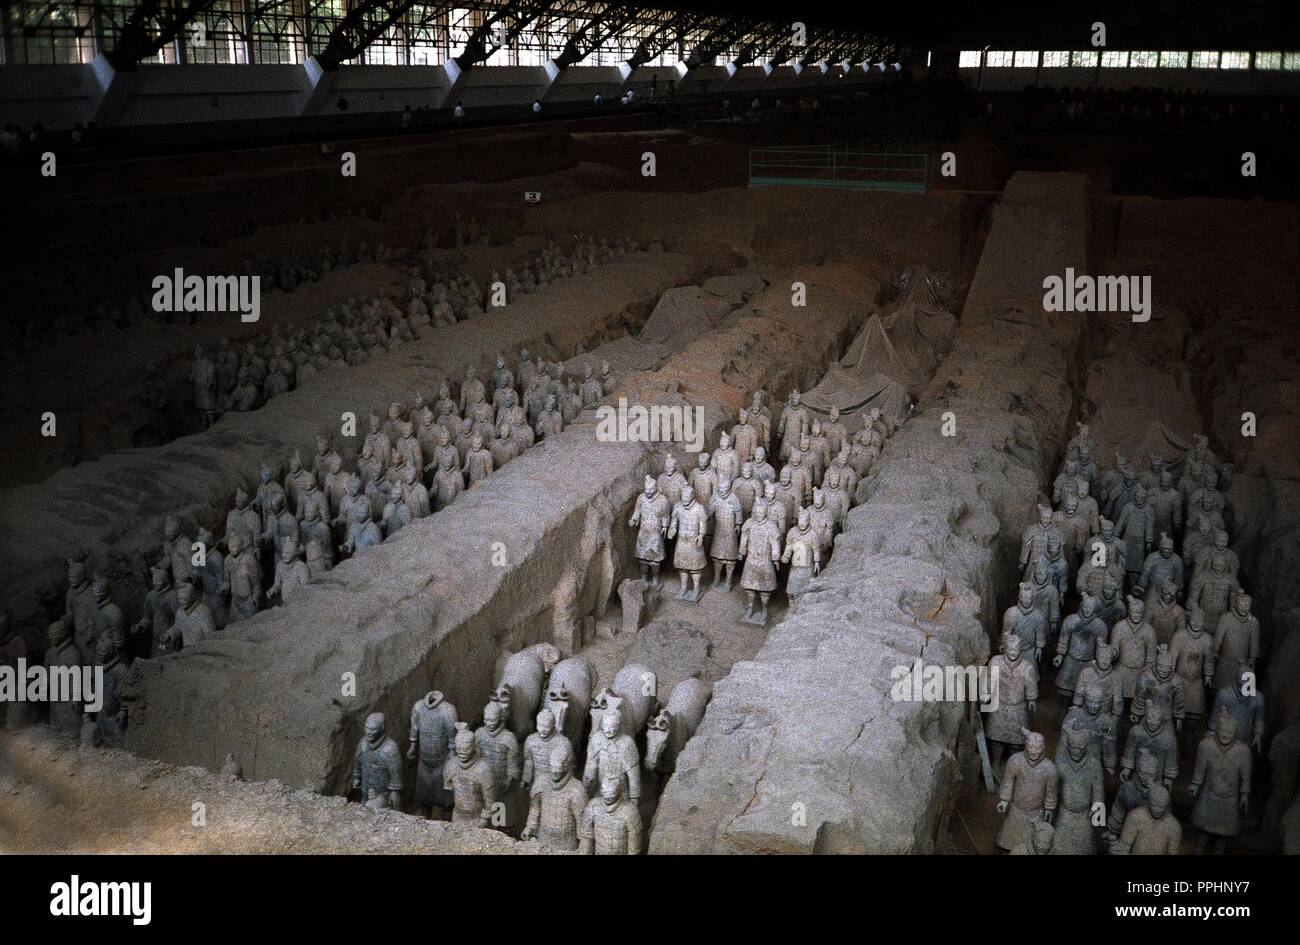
[(1028, 792), (470, 781), (760, 547), (728, 517), (1220, 784), (611, 823), (803, 554), (651, 519), (433, 729), (1152, 830), (558, 802), (688, 524)]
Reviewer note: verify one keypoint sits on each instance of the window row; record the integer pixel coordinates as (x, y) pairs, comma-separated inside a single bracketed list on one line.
[(1126, 59)]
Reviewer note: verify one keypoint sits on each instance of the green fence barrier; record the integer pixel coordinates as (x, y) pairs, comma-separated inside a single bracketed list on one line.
[(824, 166)]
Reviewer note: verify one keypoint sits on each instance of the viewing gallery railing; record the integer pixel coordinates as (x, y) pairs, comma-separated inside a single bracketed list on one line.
[(824, 166)]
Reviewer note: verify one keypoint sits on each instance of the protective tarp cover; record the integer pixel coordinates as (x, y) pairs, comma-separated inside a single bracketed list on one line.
[(891, 358)]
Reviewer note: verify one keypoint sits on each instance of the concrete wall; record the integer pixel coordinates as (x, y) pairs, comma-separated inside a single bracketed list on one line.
[(196, 93), (55, 96), (581, 83), (809, 726)]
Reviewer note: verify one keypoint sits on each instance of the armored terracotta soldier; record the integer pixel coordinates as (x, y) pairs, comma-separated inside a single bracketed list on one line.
[(325, 454), (470, 780), (448, 483), (777, 515), (1204, 522), (727, 517), (506, 446), (1028, 792), (763, 470), (472, 391), (413, 493), (1220, 783), (211, 574), (1152, 830), (1047, 596), (377, 769), (671, 481), (688, 523), (800, 479), (1160, 685), (1074, 531), (1103, 556), (612, 754), (1132, 794), (818, 452), (608, 380), (110, 720), (761, 417), (1155, 735), (1089, 509), (794, 424), (746, 489), (1214, 595), (803, 554), (500, 749), (745, 436), (1192, 652), (159, 612), (1033, 544), (591, 390), (504, 402), (611, 823), (725, 461), (1017, 697), (1166, 505), (1236, 638), (1245, 705), (651, 519), (1209, 487), (1165, 614), (409, 446), (703, 479), (78, 603), (1161, 566), (194, 621), (1134, 640), (1101, 726), (291, 573), (837, 434), (1136, 526), (1080, 634), (760, 547), (178, 549), (313, 528), (243, 521), (365, 533), (65, 714), (105, 618), (789, 495), (433, 729), (1067, 483), (1082, 785), (281, 526), (1204, 559), (1040, 842), (203, 375), (1120, 493), (1111, 607), (242, 579), (1101, 672), (550, 422), (558, 802), (1058, 569), (267, 491), (1026, 620), (823, 522), (479, 463), (537, 752), (335, 485)]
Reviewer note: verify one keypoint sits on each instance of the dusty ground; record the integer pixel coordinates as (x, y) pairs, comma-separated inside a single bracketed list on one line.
[(59, 797)]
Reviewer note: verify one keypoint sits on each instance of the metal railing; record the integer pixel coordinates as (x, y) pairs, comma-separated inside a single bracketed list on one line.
[(824, 166)]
